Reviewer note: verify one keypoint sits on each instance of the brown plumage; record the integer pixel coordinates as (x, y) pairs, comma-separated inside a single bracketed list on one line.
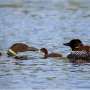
[(79, 51), (77, 45), (20, 47), (46, 55)]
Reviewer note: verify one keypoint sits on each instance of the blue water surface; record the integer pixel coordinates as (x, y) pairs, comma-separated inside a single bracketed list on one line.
[(43, 23)]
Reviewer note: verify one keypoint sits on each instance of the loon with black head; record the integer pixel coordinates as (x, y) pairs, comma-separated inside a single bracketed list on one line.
[(79, 50)]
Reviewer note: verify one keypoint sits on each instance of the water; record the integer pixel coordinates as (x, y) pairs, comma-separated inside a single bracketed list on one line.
[(43, 23)]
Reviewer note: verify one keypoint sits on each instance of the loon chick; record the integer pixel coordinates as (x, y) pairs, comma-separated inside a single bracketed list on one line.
[(46, 55)]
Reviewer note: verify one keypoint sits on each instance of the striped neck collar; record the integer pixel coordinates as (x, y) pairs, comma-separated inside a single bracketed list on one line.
[(76, 47), (11, 52)]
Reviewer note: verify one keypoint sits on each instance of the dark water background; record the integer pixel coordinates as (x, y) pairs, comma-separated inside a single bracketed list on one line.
[(43, 23)]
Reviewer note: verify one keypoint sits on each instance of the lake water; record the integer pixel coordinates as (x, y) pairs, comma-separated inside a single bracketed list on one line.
[(43, 23)]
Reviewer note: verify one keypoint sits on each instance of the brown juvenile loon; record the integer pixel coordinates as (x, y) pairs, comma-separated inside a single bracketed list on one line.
[(19, 47), (46, 55)]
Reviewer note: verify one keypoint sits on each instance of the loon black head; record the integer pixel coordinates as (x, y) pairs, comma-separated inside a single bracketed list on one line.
[(74, 43)]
